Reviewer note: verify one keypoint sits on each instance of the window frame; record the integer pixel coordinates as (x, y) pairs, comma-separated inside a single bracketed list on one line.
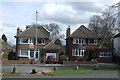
[(105, 54), (21, 55), (29, 40), (79, 41), (78, 52), (42, 41)]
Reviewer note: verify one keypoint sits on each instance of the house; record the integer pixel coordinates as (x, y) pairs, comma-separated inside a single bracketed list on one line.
[(81, 40), (34, 43), (116, 42)]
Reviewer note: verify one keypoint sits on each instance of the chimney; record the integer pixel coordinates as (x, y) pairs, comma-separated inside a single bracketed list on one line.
[(68, 32), (18, 30)]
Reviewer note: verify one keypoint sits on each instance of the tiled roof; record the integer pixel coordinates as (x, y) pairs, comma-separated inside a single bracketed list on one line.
[(31, 32), (83, 32), (51, 46), (117, 35), (5, 45)]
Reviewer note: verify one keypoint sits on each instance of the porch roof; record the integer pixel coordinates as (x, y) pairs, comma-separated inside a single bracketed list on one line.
[(51, 46)]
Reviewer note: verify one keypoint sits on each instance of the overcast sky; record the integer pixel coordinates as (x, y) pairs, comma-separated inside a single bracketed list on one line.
[(15, 14)]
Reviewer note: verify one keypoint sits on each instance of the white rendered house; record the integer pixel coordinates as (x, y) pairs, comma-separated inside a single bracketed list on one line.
[(116, 41)]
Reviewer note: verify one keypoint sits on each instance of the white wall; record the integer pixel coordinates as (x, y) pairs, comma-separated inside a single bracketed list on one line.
[(117, 46)]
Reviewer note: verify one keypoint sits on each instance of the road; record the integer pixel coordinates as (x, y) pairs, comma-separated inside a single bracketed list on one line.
[(27, 69), (23, 68)]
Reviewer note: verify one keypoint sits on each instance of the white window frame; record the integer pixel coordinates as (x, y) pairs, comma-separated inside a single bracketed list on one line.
[(78, 41), (42, 42), (95, 42), (78, 52), (105, 54), (24, 55), (29, 40)]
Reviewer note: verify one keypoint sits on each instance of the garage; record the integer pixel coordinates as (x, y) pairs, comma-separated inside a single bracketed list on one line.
[(51, 54)]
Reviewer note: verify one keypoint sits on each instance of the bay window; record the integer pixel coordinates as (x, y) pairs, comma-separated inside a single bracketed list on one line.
[(78, 52)]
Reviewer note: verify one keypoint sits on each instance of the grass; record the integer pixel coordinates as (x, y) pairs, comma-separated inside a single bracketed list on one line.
[(70, 71)]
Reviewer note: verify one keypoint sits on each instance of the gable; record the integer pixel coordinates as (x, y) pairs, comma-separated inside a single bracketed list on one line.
[(83, 32)]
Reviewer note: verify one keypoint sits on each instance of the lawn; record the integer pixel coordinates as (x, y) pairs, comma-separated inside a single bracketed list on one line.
[(69, 71)]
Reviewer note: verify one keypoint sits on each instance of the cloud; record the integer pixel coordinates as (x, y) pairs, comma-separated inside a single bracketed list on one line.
[(63, 13), (66, 14)]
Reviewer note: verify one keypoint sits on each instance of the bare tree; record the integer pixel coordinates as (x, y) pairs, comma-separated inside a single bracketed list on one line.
[(107, 24), (55, 31)]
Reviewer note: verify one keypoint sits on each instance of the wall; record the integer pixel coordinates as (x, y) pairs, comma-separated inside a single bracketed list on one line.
[(117, 46)]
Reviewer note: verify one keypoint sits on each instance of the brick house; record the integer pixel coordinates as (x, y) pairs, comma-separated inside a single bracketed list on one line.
[(81, 40), (34, 43)]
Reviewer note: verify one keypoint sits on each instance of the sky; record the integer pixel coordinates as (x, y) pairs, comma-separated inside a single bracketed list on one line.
[(14, 14)]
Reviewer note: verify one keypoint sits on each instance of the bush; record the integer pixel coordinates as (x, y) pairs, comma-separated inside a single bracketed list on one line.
[(63, 58)]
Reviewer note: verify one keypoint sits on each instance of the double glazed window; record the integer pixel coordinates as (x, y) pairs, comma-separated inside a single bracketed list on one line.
[(24, 52), (78, 52), (105, 54), (78, 41), (40, 41), (25, 40), (93, 41)]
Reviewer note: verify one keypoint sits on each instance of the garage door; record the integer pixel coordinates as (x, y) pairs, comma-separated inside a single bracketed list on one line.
[(50, 54)]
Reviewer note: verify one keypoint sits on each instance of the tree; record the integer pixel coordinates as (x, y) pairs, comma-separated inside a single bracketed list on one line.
[(105, 25), (4, 37), (58, 42), (55, 31)]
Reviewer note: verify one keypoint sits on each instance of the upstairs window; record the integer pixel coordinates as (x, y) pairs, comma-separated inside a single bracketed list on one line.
[(78, 41), (25, 40), (40, 41), (93, 41)]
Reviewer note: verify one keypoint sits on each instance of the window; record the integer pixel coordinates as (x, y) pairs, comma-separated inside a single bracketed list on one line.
[(78, 52), (105, 54), (40, 41), (92, 41), (24, 52), (25, 40), (78, 41)]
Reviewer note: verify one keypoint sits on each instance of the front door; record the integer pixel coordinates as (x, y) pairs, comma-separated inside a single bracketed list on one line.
[(34, 54)]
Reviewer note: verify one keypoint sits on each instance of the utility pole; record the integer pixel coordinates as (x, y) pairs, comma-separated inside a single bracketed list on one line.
[(35, 52), (36, 27)]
